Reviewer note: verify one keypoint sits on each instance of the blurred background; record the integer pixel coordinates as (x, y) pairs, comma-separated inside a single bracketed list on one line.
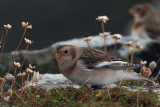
[(58, 20)]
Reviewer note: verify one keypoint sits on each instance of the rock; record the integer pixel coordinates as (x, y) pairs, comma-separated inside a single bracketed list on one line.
[(49, 81)]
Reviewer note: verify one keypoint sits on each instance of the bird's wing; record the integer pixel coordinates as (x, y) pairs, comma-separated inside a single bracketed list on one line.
[(92, 59), (153, 29), (116, 65)]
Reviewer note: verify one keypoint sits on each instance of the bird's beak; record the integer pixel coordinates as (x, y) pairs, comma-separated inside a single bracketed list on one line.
[(131, 11), (57, 56)]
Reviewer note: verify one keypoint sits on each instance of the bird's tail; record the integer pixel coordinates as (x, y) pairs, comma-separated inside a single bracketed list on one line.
[(134, 76)]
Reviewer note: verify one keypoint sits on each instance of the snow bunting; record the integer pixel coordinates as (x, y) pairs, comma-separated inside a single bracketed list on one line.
[(146, 22), (93, 65)]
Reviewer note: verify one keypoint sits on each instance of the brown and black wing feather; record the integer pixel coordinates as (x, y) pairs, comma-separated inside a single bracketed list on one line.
[(91, 57)]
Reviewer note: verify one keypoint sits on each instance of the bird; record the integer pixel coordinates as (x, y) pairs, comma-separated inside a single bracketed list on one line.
[(93, 66), (146, 22)]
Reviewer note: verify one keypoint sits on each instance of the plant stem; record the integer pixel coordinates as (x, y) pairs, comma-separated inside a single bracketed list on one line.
[(17, 50), (157, 76), (105, 45), (109, 96), (115, 47), (23, 62), (22, 83), (28, 77), (138, 94), (128, 55), (4, 44), (13, 81), (1, 38), (132, 58), (102, 27), (88, 44), (24, 59), (158, 61)]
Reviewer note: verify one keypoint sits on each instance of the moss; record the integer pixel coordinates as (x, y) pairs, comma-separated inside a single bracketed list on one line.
[(84, 97)]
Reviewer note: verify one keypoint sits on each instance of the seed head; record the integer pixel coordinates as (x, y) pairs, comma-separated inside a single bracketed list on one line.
[(116, 36), (103, 19), (143, 63), (138, 46), (9, 77), (17, 64), (1, 80), (8, 26), (25, 25), (105, 34), (6, 98), (29, 70), (131, 50), (21, 74), (129, 43), (10, 92), (32, 67), (26, 82), (88, 39), (36, 76), (29, 42), (153, 65), (146, 72)]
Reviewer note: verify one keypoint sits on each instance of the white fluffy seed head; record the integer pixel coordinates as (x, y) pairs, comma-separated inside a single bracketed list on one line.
[(103, 19), (153, 65)]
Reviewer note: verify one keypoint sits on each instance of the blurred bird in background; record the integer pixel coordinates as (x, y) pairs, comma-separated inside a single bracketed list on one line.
[(146, 22)]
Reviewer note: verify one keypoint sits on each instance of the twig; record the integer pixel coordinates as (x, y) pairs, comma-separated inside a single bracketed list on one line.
[(22, 83), (2, 86), (82, 85), (158, 61), (122, 78), (17, 50), (138, 94), (28, 77), (157, 76), (3, 44), (23, 62), (102, 23), (128, 55), (20, 98), (13, 81), (1, 38), (105, 45), (115, 47), (24, 59), (132, 58), (88, 44)]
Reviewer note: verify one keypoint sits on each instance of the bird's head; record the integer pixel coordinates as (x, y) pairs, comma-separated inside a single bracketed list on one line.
[(143, 12), (66, 55)]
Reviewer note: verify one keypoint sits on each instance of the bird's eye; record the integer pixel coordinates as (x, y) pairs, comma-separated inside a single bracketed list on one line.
[(66, 51)]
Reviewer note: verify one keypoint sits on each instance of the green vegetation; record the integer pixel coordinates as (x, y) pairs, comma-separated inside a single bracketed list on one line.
[(84, 97)]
